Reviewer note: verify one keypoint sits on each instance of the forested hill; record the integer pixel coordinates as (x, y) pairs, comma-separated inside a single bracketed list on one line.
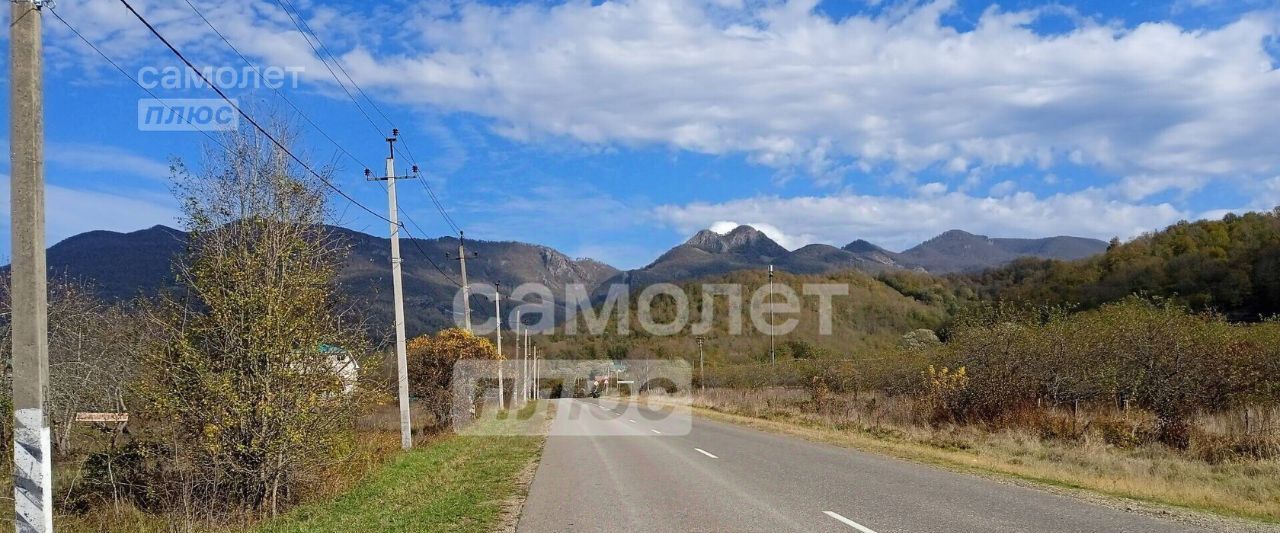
[(1231, 266)]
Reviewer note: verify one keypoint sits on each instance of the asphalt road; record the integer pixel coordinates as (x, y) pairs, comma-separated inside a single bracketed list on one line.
[(630, 470)]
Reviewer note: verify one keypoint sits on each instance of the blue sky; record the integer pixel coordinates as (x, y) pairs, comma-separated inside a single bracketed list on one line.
[(614, 130)]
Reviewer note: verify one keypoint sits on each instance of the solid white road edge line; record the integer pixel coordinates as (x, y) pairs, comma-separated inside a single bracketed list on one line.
[(850, 523), (706, 453)]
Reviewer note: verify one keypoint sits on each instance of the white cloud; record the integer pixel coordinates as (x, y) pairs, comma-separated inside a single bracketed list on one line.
[(791, 87), (1003, 188), (790, 242), (932, 189), (97, 158), (898, 223), (784, 84), (81, 210)]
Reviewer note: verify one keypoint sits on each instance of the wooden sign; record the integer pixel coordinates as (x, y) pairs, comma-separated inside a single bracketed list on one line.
[(102, 417)]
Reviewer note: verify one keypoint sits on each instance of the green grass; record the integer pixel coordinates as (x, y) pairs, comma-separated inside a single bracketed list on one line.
[(456, 483)]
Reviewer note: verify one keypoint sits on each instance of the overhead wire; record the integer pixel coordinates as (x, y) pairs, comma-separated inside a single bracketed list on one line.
[(130, 77), (413, 240), (301, 24), (278, 92), (247, 116)]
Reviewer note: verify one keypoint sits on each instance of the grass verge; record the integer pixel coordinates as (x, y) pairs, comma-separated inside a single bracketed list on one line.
[(456, 483)]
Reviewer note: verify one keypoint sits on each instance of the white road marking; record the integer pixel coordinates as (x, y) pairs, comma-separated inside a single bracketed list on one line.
[(656, 431), (850, 523), (631, 420), (706, 453)]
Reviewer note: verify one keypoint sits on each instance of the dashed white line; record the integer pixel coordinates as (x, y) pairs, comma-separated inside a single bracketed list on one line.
[(850, 523), (706, 453), (631, 420), (656, 431)]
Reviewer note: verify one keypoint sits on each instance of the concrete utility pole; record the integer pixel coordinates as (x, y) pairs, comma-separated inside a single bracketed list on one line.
[(32, 452), (772, 358), (497, 313), (702, 368), (518, 382), (402, 359), (466, 287), (525, 391)]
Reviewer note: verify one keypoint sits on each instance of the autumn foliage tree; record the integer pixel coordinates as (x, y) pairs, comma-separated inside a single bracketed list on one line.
[(433, 360)]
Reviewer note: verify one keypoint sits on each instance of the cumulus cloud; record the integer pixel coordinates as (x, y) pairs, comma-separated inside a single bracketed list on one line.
[(791, 87), (790, 242), (81, 210), (898, 223)]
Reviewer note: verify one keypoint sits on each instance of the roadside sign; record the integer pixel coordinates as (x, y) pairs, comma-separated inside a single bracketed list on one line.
[(102, 417)]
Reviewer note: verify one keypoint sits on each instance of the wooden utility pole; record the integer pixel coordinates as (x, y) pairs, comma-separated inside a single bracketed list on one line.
[(32, 452), (497, 313), (402, 358)]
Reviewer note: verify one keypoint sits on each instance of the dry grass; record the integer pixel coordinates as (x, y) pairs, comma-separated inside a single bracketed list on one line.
[(378, 440), (1081, 458)]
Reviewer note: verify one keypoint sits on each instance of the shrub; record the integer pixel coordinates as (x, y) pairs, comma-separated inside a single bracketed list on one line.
[(234, 384), (943, 393), (432, 360)]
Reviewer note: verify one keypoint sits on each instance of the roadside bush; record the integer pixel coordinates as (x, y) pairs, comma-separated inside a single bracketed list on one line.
[(432, 361), (1151, 355), (1126, 432), (944, 394)]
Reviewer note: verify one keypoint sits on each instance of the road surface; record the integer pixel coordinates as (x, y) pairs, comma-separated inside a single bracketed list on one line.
[(621, 471)]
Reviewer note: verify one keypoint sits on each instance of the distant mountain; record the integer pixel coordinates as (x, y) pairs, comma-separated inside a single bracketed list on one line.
[(959, 251), (123, 265), (709, 253)]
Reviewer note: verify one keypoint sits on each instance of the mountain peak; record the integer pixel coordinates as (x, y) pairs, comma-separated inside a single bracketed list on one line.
[(958, 234), (742, 240), (862, 246), (706, 239)]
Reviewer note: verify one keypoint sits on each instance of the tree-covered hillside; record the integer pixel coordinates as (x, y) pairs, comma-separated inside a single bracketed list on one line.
[(1231, 266)]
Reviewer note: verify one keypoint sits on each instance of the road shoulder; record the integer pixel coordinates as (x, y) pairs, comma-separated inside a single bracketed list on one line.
[(952, 460)]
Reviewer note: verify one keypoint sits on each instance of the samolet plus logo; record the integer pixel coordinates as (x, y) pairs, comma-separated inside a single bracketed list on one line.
[(187, 114)]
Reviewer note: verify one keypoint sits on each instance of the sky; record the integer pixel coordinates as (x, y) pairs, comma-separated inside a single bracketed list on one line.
[(615, 130)]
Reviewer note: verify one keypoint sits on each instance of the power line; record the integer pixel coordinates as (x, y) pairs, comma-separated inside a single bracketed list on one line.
[(246, 60), (414, 240), (246, 116), (301, 24), (439, 207), (131, 78), (326, 64), (277, 91), (341, 68), (427, 256)]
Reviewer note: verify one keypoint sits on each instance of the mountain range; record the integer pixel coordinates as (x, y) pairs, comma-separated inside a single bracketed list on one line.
[(709, 253), (123, 265)]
